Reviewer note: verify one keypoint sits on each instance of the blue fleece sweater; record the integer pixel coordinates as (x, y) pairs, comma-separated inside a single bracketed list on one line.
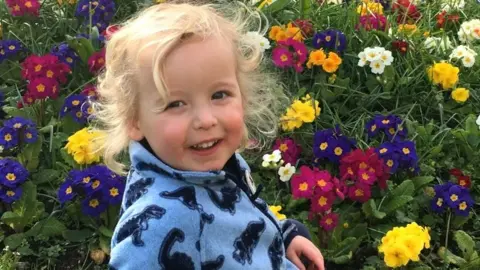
[(174, 219)]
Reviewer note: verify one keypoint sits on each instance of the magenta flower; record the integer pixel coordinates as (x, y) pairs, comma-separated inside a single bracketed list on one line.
[(323, 179), (303, 184), (373, 21), (359, 193), (366, 177), (96, 61), (340, 188), (329, 221), (290, 53), (322, 201), (282, 57), (289, 149)]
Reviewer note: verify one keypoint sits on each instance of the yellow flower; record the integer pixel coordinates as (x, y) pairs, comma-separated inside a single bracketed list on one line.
[(396, 256), (407, 28), (460, 94), (316, 58), (276, 211), (294, 32), (443, 74), (71, 2), (369, 7), (300, 112), (304, 111), (83, 145)]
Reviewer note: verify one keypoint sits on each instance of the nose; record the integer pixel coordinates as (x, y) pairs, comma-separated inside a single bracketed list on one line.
[(204, 118)]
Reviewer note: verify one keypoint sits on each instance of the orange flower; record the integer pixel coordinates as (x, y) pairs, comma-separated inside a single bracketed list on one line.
[(316, 58)]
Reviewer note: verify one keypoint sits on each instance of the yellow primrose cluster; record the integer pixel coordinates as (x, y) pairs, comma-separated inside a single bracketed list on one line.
[(443, 74), (319, 58), (301, 111), (83, 144), (284, 32), (402, 244), (369, 7)]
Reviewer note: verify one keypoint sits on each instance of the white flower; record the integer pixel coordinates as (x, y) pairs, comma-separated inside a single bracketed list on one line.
[(274, 157), (448, 5), (469, 31), (254, 38), (372, 54), (468, 60), (286, 172), (459, 52), (378, 66), (363, 59), (478, 121), (386, 57), (464, 53), (438, 44)]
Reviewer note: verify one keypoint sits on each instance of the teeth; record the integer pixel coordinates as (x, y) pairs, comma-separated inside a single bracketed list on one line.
[(205, 145)]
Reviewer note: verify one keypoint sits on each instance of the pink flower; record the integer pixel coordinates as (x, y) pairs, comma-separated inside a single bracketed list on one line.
[(48, 66), (323, 180), (282, 57), (366, 177), (359, 193), (289, 149), (41, 88), (303, 184), (96, 61), (373, 21), (90, 90), (23, 7), (329, 221), (322, 201)]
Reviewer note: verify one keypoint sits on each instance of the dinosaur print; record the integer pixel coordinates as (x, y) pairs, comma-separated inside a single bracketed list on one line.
[(214, 265), (230, 196), (139, 223), (137, 189), (188, 197), (247, 241), (177, 260), (275, 252)]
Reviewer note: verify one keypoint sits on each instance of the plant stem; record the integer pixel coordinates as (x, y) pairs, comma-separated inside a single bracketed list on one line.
[(448, 228)]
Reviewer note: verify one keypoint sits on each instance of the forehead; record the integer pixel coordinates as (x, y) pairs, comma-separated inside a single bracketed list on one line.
[(195, 60)]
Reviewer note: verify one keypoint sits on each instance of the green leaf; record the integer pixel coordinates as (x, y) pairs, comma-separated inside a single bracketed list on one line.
[(471, 125), (372, 83), (421, 181), (396, 203), (406, 188), (458, 221), (26, 206), (105, 244), (465, 243), (358, 231), (343, 259), (277, 5), (31, 154), (370, 209), (105, 231), (13, 220), (13, 241), (48, 227), (449, 257), (25, 251), (77, 235), (45, 176)]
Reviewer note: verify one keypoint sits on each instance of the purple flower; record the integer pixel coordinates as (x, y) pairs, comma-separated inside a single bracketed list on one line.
[(8, 137), (330, 39), (19, 128), (454, 196), (391, 125), (19, 122), (9, 195), (73, 106), (66, 192), (331, 144), (65, 54), (9, 47), (114, 191), (399, 155), (12, 173), (94, 205), (102, 12)]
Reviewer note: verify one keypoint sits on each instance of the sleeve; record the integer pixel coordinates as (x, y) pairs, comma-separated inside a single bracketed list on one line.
[(158, 235), (292, 228)]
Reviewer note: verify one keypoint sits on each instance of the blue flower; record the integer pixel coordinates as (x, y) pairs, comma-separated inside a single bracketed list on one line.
[(8, 137), (12, 173), (66, 192), (330, 39), (19, 122), (454, 196), (114, 191), (8, 48), (94, 205), (390, 125), (102, 12), (65, 54), (331, 144), (23, 128), (73, 105), (9, 195), (31, 135)]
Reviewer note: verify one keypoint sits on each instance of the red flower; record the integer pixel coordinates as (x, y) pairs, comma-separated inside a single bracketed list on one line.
[(401, 46), (323, 180), (359, 193), (305, 25), (303, 184), (40, 88), (456, 172), (322, 201), (48, 66), (289, 148), (340, 188), (464, 181), (110, 30), (90, 90), (442, 18), (329, 221), (355, 164), (23, 7), (373, 22), (96, 61), (366, 177), (407, 12)]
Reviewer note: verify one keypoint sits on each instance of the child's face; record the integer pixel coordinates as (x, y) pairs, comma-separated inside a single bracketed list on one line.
[(203, 123)]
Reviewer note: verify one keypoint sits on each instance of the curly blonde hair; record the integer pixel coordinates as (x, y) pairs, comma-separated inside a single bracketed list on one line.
[(162, 27)]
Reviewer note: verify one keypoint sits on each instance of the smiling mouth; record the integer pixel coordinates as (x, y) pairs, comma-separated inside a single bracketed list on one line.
[(206, 145)]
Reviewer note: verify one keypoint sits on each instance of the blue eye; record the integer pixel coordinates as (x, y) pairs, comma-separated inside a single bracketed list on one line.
[(175, 104), (220, 95)]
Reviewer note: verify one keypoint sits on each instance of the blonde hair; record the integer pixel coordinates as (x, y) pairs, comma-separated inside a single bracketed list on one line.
[(165, 25)]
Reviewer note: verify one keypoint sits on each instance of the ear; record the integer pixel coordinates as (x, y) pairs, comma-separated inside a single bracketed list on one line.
[(134, 131)]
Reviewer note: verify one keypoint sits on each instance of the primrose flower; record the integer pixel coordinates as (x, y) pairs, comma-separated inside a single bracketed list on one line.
[(271, 160), (286, 172)]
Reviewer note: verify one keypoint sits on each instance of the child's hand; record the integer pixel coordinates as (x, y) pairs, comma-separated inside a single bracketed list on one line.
[(302, 246)]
